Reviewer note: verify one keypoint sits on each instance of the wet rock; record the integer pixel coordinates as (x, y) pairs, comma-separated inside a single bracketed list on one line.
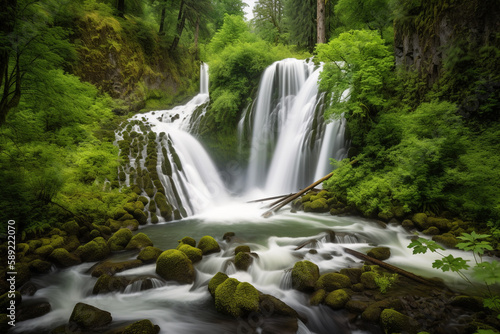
[(149, 254), (174, 265), (337, 299), (373, 311), (44, 251), (40, 266), (443, 224), (368, 280), (33, 310), (241, 248), (269, 304), (433, 230), (448, 240), (188, 241), (142, 327), (317, 297), (217, 280), (94, 250), (354, 274), (106, 284), (120, 239), (208, 245), (332, 281), (28, 289), (111, 268), (140, 216), (385, 216), (87, 317), (139, 241), (304, 276), (380, 253), (236, 298), (62, 258), (228, 236), (356, 306), (420, 221), (193, 253), (243, 260), (468, 302), (394, 322)]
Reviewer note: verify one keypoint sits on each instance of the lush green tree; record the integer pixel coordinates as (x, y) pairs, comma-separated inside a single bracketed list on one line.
[(364, 14), (230, 7), (191, 11), (268, 20), (300, 18)]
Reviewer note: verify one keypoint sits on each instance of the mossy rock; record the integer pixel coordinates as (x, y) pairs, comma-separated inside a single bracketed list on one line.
[(139, 241), (217, 280), (242, 248), (317, 297), (368, 279), (447, 239), (95, 234), (163, 205), (243, 260), (39, 266), (188, 241), (174, 265), (373, 311), (144, 200), (236, 298), (33, 310), (356, 306), (94, 250), (228, 236), (319, 205), (433, 230), (126, 216), (88, 317), (72, 243), (353, 273), (380, 253), (332, 281), (111, 268), (129, 207), (152, 206), (394, 322), (44, 251), (443, 224), (140, 216), (304, 275), (278, 307), (408, 224), (32, 244), (420, 221), (119, 240), (62, 258), (385, 216), (154, 218), (71, 227), (208, 245), (107, 283), (475, 304), (115, 225), (337, 299), (139, 205), (149, 254), (142, 327), (193, 253)]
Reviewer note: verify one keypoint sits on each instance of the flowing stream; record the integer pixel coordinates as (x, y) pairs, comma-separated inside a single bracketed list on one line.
[(290, 145)]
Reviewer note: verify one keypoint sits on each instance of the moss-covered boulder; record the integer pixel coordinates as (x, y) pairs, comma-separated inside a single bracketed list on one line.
[(71, 227), (72, 243), (111, 268), (193, 253), (106, 284), (115, 225), (149, 254), (243, 260), (236, 298), (356, 306), (420, 221), (268, 302), (120, 212), (318, 205), (88, 317), (39, 266), (368, 279), (304, 275), (44, 251), (208, 245), (188, 241), (33, 310), (446, 239), (373, 311), (119, 239), (94, 250), (139, 241), (443, 224), (141, 327), (174, 265), (163, 205), (126, 216), (394, 322), (354, 274), (433, 230), (468, 302), (317, 297), (140, 216), (380, 253), (32, 244), (62, 258), (217, 280), (337, 299), (241, 248), (57, 241), (332, 281)]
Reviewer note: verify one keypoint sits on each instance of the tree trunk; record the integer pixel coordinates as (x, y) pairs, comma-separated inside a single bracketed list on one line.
[(321, 22), (162, 21), (121, 8), (181, 21), (196, 32)]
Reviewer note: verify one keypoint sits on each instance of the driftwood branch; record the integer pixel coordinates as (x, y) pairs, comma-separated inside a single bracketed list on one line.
[(290, 198), (268, 198), (388, 266)]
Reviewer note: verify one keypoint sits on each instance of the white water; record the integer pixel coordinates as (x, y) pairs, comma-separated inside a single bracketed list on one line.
[(282, 124)]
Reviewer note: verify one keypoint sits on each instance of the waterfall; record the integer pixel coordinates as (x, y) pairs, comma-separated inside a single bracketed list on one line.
[(166, 163), (290, 144)]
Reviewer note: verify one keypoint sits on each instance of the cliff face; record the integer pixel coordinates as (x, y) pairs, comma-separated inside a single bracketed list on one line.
[(128, 61), (427, 31)]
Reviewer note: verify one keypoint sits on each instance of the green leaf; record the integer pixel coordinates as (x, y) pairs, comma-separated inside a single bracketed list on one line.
[(421, 246), (451, 263), (488, 272)]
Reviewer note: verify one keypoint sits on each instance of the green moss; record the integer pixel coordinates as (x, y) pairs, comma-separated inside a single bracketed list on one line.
[(141, 327), (318, 205), (152, 206), (420, 221), (88, 317), (394, 322), (333, 281), (163, 205), (188, 241), (193, 253), (94, 250), (129, 207), (72, 243), (243, 260), (317, 297), (208, 245), (337, 299), (242, 248), (380, 253), (140, 216), (154, 218), (39, 266), (304, 275), (44, 251), (235, 298), (94, 234), (120, 239), (139, 241), (217, 280), (32, 245), (63, 258), (174, 265), (111, 268), (446, 239), (368, 280), (149, 254)]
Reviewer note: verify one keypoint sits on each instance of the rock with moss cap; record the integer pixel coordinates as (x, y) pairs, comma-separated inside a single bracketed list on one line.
[(188, 241), (337, 299), (242, 248), (62, 258), (115, 225), (44, 251), (139, 241), (243, 260), (304, 275), (217, 280), (268, 302), (106, 284), (119, 240), (89, 318), (94, 250), (394, 322), (420, 221), (446, 239), (332, 281), (208, 245), (140, 216), (71, 227), (39, 266), (318, 205), (380, 253), (149, 254), (174, 265), (236, 298), (317, 297), (368, 279), (141, 327), (111, 268), (193, 253)]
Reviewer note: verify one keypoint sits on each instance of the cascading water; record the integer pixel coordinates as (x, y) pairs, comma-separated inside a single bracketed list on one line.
[(290, 143)]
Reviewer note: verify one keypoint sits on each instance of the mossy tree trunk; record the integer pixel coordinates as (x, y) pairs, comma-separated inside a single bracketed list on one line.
[(321, 21)]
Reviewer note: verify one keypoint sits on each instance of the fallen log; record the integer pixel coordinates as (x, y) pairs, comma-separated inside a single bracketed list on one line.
[(268, 198), (290, 198), (388, 266)]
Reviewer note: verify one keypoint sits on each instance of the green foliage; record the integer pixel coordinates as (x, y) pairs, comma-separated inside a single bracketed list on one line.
[(473, 243), (422, 245), (451, 263), (385, 281), (300, 21)]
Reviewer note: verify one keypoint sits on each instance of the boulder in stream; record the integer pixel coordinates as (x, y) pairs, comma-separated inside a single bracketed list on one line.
[(89, 318), (208, 245), (304, 275), (174, 265)]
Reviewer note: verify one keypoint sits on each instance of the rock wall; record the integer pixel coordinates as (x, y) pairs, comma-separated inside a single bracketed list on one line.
[(428, 28)]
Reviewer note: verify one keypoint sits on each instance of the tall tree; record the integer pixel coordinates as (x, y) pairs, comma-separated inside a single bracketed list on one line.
[(321, 21), (364, 14), (300, 21), (230, 7), (268, 19), (191, 11)]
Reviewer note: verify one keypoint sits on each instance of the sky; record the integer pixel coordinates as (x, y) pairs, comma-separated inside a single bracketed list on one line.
[(248, 10)]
